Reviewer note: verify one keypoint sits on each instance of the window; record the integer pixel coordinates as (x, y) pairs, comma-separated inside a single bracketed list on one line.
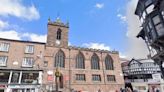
[(58, 34), (29, 49), (150, 9), (15, 77), (80, 77), (162, 14), (150, 29), (30, 78), (60, 59), (111, 78), (80, 61), (3, 60), (96, 77), (4, 47), (156, 19), (148, 2), (95, 62), (158, 25), (4, 76), (109, 63), (45, 63), (27, 62)]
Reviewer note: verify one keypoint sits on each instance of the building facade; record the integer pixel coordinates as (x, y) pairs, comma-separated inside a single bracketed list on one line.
[(27, 66), (151, 14), (143, 74)]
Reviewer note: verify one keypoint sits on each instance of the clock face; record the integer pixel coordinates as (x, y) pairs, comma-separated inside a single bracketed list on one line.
[(57, 42)]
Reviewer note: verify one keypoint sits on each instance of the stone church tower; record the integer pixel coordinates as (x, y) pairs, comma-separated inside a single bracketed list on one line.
[(57, 33)]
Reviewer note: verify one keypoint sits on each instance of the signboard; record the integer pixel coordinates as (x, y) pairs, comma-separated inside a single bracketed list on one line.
[(156, 77), (50, 78), (2, 86), (66, 78)]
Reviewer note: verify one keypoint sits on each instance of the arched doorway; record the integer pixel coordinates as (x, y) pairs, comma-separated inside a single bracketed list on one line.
[(61, 81)]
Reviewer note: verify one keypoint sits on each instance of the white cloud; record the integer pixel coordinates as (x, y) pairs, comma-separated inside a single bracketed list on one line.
[(96, 46), (123, 18), (17, 9), (136, 47), (3, 24), (99, 5), (35, 37), (12, 34)]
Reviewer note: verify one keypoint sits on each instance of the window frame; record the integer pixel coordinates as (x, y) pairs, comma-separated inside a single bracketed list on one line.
[(80, 77), (109, 65), (4, 47), (96, 77), (80, 61), (59, 34), (59, 59), (95, 62), (26, 61), (4, 62), (29, 49)]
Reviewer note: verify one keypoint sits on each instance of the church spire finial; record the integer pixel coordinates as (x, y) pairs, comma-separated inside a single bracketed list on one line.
[(49, 20), (58, 18)]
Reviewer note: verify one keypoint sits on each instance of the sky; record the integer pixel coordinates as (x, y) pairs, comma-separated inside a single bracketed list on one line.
[(99, 24)]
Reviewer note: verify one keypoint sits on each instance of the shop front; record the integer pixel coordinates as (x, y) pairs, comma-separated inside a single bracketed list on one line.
[(2, 87), (23, 88), (20, 81)]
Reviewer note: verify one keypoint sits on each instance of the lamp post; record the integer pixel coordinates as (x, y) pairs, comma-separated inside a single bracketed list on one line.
[(57, 75)]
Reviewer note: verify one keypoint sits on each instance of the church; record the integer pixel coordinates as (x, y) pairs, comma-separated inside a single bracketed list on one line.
[(27, 66)]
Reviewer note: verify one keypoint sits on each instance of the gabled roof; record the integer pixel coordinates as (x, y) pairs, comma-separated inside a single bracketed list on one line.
[(134, 60)]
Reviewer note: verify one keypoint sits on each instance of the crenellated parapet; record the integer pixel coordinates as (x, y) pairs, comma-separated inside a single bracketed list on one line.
[(58, 22)]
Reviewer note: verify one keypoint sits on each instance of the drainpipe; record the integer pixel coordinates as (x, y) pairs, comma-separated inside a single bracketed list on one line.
[(103, 71), (69, 71)]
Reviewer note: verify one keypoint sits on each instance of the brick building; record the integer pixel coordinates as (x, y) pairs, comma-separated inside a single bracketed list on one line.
[(27, 66)]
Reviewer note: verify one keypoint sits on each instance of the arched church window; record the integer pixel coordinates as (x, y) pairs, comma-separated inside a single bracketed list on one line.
[(59, 34), (109, 63), (60, 59), (80, 61), (95, 62)]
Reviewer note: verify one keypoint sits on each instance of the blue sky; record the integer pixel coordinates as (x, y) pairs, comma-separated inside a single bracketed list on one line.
[(93, 23)]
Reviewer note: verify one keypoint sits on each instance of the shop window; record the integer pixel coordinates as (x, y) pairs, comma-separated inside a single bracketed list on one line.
[(4, 77), (30, 78), (15, 77)]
